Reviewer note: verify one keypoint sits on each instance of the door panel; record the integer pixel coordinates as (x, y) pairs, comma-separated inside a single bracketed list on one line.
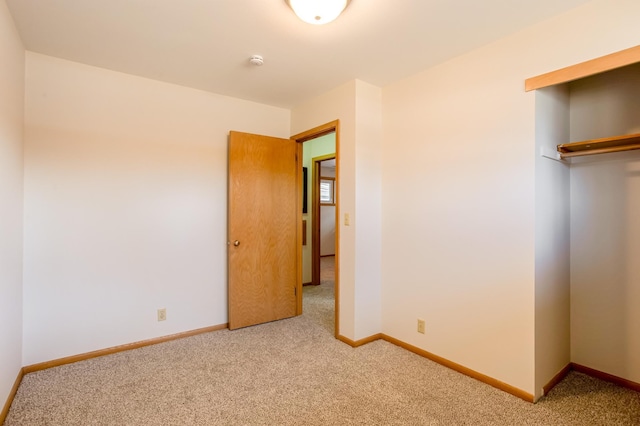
[(263, 232)]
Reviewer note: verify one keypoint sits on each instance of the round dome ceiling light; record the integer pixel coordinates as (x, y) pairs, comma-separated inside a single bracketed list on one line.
[(256, 60), (318, 12)]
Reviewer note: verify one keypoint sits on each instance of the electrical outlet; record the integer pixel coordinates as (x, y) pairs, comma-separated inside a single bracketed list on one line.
[(162, 314), (420, 326)]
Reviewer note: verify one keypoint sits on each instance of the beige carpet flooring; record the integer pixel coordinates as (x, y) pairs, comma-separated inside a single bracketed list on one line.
[(293, 372)]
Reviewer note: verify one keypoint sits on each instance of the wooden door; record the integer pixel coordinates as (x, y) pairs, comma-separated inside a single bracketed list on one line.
[(264, 204)]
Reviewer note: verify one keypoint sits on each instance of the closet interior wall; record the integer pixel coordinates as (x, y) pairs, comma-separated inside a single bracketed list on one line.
[(605, 226)]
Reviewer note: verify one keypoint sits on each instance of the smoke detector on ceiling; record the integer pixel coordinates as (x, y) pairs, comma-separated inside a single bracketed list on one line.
[(256, 60)]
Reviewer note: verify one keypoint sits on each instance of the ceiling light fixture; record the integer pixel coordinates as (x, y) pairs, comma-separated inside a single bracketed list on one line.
[(318, 12)]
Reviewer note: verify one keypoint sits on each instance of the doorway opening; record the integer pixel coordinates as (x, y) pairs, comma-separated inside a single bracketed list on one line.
[(323, 223), (321, 166)]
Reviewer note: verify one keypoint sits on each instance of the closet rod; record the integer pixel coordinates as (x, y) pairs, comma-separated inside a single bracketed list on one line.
[(600, 146)]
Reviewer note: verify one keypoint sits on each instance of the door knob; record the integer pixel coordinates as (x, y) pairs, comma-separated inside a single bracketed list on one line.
[(236, 243)]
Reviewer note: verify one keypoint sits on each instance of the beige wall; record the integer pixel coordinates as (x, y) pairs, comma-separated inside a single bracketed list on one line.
[(125, 205), (368, 209), (11, 197), (357, 105), (328, 221), (552, 226), (605, 105), (327, 230), (338, 104), (459, 192), (605, 230)]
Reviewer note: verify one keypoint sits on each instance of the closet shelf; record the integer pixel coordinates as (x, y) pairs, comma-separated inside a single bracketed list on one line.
[(600, 146)]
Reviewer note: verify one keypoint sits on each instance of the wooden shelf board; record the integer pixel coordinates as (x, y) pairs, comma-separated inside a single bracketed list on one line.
[(585, 69), (600, 146)]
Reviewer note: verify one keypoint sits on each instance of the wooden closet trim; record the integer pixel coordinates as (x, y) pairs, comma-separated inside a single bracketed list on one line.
[(584, 69)]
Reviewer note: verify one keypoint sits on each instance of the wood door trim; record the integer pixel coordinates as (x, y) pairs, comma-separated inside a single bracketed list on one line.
[(361, 342), (625, 383), (115, 349), (315, 224), (325, 129), (12, 394), (572, 366), (299, 238), (584, 69), (462, 369), (556, 379), (316, 132), (442, 361)]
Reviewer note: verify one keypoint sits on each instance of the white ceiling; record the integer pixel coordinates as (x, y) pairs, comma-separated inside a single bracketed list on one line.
[(329, 164), (206, 44)]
